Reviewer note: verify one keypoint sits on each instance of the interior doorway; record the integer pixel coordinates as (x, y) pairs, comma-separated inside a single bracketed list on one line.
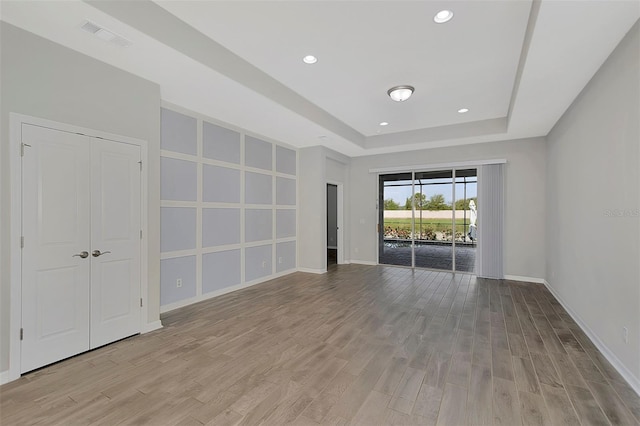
[(332, 224)]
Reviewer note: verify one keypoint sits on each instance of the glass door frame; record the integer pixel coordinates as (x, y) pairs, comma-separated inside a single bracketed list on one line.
[(381, 228)]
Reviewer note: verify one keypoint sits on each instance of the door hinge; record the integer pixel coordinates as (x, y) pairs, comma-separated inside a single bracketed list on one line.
[(21, 242), (141, 234), (140, 162), (21, 333), (141, 302)]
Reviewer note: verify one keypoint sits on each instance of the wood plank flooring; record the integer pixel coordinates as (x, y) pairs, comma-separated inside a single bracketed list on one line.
[(361, 345)]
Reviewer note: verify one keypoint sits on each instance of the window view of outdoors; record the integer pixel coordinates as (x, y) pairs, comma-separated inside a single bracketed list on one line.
[(418, 225)]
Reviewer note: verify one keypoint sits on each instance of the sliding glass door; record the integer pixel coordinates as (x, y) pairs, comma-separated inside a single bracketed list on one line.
[(395, 223), (433, 218), (428, 219)]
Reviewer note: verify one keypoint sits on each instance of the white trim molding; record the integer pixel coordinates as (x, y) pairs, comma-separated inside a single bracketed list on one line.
[(151, 326), (633, 381), (524, 279), (365, 262), (312, 270), (196, 299), (4, 377)]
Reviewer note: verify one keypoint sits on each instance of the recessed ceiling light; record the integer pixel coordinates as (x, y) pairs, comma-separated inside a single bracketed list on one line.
[(310, 59), (463, 110), (400, 93), (443, 16), (384, 123)]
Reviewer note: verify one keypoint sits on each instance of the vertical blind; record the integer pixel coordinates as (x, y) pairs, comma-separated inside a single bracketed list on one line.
[(489, 262)]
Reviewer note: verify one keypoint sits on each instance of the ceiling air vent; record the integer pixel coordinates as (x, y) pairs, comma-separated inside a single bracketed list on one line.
[(105, 34)]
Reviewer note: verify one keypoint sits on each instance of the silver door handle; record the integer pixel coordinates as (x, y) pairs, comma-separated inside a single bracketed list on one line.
[(97, 253), (82, 254)]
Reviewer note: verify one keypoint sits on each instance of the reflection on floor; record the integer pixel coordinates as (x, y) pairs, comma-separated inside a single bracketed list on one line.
[(432, 256)]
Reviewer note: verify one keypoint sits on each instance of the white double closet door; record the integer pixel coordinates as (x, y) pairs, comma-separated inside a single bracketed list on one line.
[(81, 213)]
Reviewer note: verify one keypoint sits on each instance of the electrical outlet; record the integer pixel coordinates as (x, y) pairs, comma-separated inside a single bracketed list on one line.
[(264, 263), (179, 282), (625, 334), (280, 259)]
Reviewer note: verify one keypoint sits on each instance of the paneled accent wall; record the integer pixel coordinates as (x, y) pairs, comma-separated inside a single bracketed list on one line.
[(228, 209)]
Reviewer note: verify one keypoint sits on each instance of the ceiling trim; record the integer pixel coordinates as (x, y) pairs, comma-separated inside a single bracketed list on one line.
[(452, 131), (427, 167), (528, 36)]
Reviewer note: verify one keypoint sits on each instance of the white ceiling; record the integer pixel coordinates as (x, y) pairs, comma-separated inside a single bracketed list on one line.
[(516, 65)]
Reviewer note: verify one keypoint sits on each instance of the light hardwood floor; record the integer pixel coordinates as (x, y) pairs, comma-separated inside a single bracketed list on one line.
[(366, 345)]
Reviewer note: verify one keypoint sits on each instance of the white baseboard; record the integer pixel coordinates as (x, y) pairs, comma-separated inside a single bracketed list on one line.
[(207, 296), (524, 279), (364, 262), (312, 270), (4, 377), (151, 326), (632, 380)]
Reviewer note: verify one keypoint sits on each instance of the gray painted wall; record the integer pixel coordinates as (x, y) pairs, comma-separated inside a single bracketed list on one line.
[(593, 200), (312, 234), (219, 213), (524, 237), (318, 165), (45, 80)]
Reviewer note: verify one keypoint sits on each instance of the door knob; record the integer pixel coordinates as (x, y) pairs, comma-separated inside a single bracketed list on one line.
[(82, 254), (97, 253)]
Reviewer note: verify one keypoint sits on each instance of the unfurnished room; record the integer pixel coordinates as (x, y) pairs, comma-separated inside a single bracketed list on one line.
[(320, 212)]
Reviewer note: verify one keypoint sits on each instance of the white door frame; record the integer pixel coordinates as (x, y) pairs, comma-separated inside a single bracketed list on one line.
[(340, 221), (15, 249)]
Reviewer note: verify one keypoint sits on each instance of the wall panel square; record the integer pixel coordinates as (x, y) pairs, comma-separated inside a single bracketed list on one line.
[(285, 160), (219, 143), (178, 180), (258, 224), (220, 269), (285, 191), (285, 223), (178, 132), (285, 256), (220, 184), (220, 227), (183, 268), (177, 228), (257, 153), (257, 262), (257, 188)]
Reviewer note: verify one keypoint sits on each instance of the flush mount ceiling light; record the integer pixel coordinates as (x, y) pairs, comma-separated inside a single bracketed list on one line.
[(400, 93), (384, 123), (309, 59), (443, 16), (463, 110)]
